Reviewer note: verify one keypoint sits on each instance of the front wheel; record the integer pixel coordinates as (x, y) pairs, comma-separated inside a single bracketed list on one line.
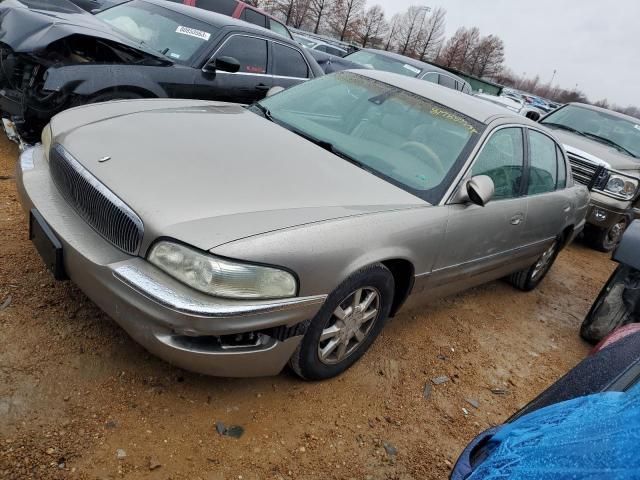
[(529, 278), (347, 325), (606, 239)]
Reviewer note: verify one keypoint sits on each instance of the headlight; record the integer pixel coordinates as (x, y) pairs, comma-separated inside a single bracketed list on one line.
[(46, 140), (622, 186), (220, 277)]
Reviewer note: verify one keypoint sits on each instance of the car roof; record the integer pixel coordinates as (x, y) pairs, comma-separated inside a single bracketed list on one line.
[(217, 19), (464, 103), (622, 116)]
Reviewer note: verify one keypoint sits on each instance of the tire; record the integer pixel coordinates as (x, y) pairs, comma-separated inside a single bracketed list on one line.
[(606, 239), (609, 311), (529, 278), (308, 360)]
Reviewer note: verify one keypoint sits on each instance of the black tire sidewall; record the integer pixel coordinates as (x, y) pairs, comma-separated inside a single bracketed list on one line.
[(531, 283), (307, 362)]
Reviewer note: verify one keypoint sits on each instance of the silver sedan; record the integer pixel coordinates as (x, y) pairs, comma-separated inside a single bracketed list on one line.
[(232, 241)]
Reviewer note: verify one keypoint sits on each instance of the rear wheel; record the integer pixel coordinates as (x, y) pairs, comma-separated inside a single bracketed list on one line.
[(347, 325), (529, 278), (606, 239)]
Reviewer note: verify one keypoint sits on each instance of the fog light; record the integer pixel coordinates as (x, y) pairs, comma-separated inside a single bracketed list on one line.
[(600, 215)]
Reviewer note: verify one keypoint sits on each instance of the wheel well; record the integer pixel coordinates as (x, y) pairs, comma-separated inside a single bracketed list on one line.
[(566, 235), (403, 276), (128, 89)]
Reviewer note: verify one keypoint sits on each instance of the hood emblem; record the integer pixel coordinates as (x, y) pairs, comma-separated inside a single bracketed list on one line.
[(104, 159)]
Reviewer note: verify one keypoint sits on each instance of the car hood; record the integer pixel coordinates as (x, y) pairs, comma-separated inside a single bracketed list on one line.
[(29, 26), (596, 152), (209, 173)]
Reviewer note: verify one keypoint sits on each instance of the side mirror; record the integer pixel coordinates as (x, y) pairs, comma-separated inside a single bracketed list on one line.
[(224, 64), (274, 91), (480, 190)]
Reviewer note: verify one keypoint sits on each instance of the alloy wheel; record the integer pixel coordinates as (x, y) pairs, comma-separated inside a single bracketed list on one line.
[(545, 261), (349, 325)]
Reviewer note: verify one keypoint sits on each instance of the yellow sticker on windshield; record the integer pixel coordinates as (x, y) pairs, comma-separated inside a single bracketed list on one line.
[(452, 117)]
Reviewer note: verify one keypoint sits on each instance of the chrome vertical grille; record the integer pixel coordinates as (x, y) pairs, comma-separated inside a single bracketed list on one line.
[(95, 203)]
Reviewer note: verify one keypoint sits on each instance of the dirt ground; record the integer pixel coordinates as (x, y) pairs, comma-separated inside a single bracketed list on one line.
[(75, 391)]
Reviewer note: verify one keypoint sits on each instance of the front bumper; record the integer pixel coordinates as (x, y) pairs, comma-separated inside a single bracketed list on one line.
[(605, 212), (172, 321)]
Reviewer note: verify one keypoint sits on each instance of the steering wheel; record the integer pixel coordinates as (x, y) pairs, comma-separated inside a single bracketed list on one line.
[(421, 149)]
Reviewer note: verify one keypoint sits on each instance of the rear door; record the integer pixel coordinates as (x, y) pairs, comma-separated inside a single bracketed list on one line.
[(550, 205), (483, 242), (250, 83)]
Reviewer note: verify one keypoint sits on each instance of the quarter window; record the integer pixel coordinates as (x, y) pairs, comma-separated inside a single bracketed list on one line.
[(562, 169), (543, 170), (251, 52), (502, 159), (289, 62), (254, 17), (279, 28), (431, 77), (225, 7)]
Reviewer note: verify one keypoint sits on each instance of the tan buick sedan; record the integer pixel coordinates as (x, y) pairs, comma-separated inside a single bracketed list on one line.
[(234, 241)]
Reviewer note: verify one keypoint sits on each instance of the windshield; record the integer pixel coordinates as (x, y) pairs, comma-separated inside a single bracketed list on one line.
[(176, 36), (382, 62), (619, 133), (408, 140)]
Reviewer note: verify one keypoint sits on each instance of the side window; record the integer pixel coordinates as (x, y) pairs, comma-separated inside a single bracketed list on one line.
[(466, 88), (225, 7), (448, 82), (251, 16), (279, 28), (251, 52), (502, 159), (543, 169), (432, 77), (562, 169), (288, 62)]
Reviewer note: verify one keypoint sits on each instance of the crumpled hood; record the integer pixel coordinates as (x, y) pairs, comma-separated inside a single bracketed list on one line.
[(209, 173), (597, 152), (32, 25)]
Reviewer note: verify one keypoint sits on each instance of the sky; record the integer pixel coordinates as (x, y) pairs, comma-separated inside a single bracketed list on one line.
[(593, 44)]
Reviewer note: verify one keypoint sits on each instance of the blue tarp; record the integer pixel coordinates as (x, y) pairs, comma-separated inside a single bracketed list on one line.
[(589, 438)]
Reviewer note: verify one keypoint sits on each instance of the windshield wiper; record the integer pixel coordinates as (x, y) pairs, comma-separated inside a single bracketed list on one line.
[(266, 113), (564, 127), (611, 143)]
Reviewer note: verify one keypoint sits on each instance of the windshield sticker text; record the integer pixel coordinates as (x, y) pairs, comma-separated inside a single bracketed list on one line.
[(411, 68), (192, 32), (439, 112)]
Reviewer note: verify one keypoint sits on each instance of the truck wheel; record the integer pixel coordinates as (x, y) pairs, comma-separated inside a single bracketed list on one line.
[(609, 311), (347, 325), (529, 278), (606, 239)]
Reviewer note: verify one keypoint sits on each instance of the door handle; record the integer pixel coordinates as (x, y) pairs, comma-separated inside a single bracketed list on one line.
[(567, 208), (517, 220), (261, 87)]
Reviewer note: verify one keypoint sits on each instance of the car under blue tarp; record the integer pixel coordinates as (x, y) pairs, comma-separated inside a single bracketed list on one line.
[(589, 438)]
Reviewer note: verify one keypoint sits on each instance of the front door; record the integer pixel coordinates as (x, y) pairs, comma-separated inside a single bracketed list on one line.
[(482, 243), (250, 83)]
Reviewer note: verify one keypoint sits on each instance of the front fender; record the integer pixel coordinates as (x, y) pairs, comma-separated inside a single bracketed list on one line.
[(87, 80), (628, 251)]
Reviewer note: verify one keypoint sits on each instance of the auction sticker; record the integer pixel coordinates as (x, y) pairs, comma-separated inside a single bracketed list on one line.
[(411, 68), (192, 32)]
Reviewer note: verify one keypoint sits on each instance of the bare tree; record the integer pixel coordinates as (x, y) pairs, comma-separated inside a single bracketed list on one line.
[(431, 35), (452, 51), (393, 28), (372, 27), (317, 12), (488, 57), (410, 26), (344, 16)]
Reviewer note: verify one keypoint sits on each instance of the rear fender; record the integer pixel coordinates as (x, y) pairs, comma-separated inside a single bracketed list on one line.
[(88, 80)]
